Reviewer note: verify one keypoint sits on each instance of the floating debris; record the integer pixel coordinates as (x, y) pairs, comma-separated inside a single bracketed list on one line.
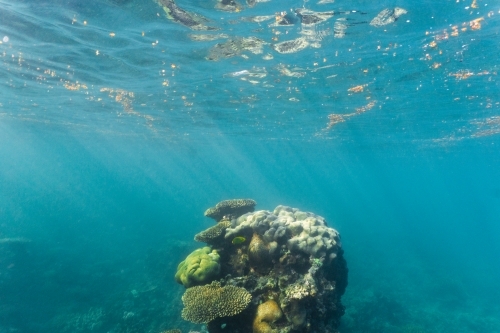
[(255, 72), (206, 37), (181, 16), (291, 46), (357, 89), (291, 73), (284, 19), (257, 19), (335, 118), (339, 28), (387, 16), (314, 36), (235, 46), (366, 107), (252, 3), (228, 6), (268, 56), (309, 17)]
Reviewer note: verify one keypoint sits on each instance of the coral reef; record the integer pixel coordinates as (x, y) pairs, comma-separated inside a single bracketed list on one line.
[(230, 208), (212, 234), (203, 304), (200, 267), (290, 264)]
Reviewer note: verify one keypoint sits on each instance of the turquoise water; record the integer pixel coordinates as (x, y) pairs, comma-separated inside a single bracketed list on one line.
[(116, 133)]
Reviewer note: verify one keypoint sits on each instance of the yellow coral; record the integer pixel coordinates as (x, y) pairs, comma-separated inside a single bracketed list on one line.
[(267, 313), (202, 304)]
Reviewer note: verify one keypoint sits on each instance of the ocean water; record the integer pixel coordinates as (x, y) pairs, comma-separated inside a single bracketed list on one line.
[(119, 127)]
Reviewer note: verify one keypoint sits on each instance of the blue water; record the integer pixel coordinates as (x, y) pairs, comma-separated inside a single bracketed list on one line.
[(116, 133)]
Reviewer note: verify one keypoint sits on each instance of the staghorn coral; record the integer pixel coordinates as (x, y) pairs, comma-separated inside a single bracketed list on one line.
[(199, 267), (267, 313), (202, 304), (231, 208), (214, 233)]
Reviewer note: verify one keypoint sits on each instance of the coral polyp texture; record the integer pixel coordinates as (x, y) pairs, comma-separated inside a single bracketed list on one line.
[(289, 262), (230, 208), (213, 233), (200, 267), (267, 313), (203, 304)]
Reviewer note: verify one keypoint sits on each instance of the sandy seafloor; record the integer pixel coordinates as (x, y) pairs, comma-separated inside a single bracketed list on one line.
[(116, 133)]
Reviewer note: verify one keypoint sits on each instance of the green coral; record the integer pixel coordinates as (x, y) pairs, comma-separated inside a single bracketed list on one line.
[(199, 267), (202, 304)]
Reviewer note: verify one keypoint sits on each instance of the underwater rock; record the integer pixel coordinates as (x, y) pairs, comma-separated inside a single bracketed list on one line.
[(291, 265), (387, 16)]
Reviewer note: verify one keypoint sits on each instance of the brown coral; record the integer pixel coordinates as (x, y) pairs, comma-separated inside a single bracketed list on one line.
[(267, 313), (202, 304), (212, 234), (233, 208), (259, 253)]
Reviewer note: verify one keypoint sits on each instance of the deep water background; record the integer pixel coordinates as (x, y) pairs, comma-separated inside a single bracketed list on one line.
[(101, 190)]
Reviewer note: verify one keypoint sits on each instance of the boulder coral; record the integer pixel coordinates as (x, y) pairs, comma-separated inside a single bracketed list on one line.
[(304, 232), (199, 267), (267, 313)]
